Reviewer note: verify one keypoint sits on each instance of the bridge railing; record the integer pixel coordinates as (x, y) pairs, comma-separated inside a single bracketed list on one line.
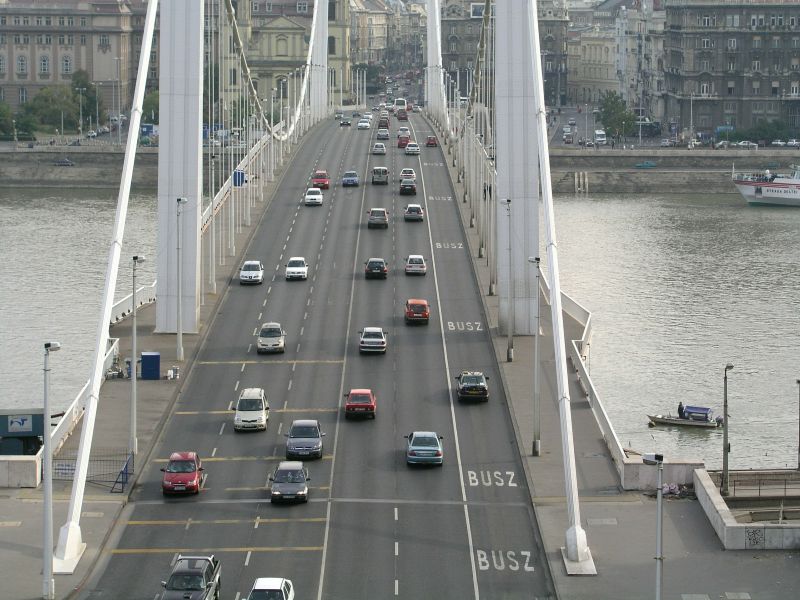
[(145, 295)]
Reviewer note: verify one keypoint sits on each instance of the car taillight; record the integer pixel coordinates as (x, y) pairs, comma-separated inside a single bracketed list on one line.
[(438, 453), (385, 269), (412, 452)]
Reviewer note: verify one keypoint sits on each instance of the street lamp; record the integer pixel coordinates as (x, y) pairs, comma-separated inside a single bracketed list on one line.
[(658, 459), (80, 120), (510, 349), (133, 443), (798, 432), (14, 125), (537, 424), (181, 202), (585, 124), (48, 583), (723, 489)]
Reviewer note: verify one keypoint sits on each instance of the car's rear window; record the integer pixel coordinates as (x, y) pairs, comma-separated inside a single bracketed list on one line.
[(359, 399), (425, 441), (418, 308)]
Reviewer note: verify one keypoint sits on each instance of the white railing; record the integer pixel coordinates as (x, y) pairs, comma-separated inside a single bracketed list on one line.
[(145, 295)]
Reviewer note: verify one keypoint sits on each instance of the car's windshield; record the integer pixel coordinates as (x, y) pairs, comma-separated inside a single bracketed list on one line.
[(350, 174), (266, 595), (296, 263), (425, 441), (287, 476), (250, 404), (251, 267), (320, 174), (185, 582), (359, 399), (180, 466), (271, 332), (314, 192), (304, 431)]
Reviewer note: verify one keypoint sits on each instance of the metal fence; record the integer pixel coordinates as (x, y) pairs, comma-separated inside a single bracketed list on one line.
[(108, 467)]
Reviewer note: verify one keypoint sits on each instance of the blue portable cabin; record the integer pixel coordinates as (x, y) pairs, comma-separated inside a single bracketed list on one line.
[(697, 413)]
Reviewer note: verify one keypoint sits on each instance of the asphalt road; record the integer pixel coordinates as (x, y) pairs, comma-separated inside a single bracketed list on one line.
[(373, 528)]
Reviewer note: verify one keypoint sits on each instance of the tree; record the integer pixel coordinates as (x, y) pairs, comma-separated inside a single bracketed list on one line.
[(6, 126), (150, 107), (615, 115), (48, 105)]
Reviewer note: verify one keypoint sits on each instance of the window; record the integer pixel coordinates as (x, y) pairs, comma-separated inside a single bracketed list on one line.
[(756, 43), (40, 39), (795, 66), (794, 88), (44, 65), (732, 20), (232, 77), (2, 20), (732, 44), (61, 39), (66, 65), (268, 7), (17, 21), (26, 20), (2, 64), (39, 21), (731, 88), (705, 65), (62, 21), (70, 21), (453, 65), (48, 39), (730, 107), (331, 45), (84, 22), (706, 21), (83, 39), (780, 20), (22, 65), (776, 42), (17, 38), (23, 95), (776, 89), (2, 39), (254, 7), (332, 10), (282, 47), (70, 40), (772, 21), (705, 43), (302, 7), (453, 46), (792, 21), (756, 88), (104, 40), (795, 42), (756, 65)]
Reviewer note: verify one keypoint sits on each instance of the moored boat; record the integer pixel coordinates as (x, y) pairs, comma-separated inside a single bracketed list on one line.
[(693, 416), (767, 188)]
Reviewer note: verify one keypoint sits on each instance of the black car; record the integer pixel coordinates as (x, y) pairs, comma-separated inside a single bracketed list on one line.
[(345, 123), (194, 578), (64, 162), (408, 187), (472, 386), (356, 114), (376, 268), (289, 482)]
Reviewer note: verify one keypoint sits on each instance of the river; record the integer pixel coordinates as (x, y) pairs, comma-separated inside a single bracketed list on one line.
[(678, 285)]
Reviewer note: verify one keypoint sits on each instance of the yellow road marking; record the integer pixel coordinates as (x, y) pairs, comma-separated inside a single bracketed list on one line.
[(238, 458), (229, 521), (271, 362), (215, 550), (274, 410)]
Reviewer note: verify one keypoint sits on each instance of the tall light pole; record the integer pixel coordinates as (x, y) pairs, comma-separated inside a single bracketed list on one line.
[(48, 583), (691, 117), (798, 431), (97, 106), (280, 103), (133, 445), (723, 489), (14, 125), (80, 91), (537, 423), (510, 349), (585, 124), (658, 459), (119, 101), (181, 202)]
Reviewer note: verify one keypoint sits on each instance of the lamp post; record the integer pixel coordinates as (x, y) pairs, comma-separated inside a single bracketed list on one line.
[(48, 584), (133, 443), (181, 202), (537, 424), (119, 101), (585, 124), (14, 125), (723, 489), (798, 432), (658, 459), (97, 107), (510, 349), (691, 117), (80, 102)]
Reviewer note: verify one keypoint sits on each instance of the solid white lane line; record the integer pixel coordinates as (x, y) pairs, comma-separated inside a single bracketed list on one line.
[(447, 381)]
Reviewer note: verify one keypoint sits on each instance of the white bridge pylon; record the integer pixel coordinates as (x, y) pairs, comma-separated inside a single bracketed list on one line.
[(181, 153)]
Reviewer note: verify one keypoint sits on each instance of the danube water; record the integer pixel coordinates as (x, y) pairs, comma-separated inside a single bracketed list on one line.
[(678, 286)]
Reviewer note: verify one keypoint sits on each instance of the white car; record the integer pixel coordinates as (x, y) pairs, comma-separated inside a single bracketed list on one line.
[(313, 197), (748, 145), (404, 131), (373, 339), (252, 272), (777, 143), (383, 134), (363, 124), (272, 588), (412, 148), (252, 411), (415, 265), (271, 338), (379, 148), (408, 173), (297, 268)]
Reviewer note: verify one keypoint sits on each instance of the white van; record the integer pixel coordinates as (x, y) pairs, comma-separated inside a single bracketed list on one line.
[(600, 137), (380, 176), (252, 411)]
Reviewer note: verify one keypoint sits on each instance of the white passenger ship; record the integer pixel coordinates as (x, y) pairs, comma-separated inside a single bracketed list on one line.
[(767, 188)]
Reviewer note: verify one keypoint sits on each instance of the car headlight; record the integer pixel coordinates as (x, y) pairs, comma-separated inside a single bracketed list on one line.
[(276, 493), (302, 492)]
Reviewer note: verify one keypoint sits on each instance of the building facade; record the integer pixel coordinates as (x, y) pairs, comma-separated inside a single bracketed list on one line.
[(369, 31)]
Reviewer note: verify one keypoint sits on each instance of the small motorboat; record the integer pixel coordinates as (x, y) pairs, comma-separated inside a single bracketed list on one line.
[(693, 416)]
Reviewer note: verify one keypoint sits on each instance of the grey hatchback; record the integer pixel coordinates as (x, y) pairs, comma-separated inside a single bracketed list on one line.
[(289, 482), (304, 439), (378, 217)]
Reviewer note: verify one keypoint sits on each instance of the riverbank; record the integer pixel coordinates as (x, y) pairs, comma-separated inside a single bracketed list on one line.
[(574, 170)]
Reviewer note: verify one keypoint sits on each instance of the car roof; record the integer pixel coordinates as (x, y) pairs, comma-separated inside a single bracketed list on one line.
[(271, 324), (305, 422), (321, 172), (350, 173), (361, 391), (268, 583), (424, 434), (412, 144), (373, 329), (297, 258), (414, 206), (410, 256), (252, 262), (290, 464), (186, 455), (376, 258), (407, 169), (416, 301), (315, 190), (383, 209)]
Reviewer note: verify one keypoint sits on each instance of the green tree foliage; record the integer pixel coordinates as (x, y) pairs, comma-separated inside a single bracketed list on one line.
[(6, 117), (616, 118), (150, 108), (46, 107)]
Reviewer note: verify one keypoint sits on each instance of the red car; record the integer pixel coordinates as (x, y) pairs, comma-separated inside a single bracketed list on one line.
[(359, 403), (431, 141), (320, 180), (183, 474), (402, 141), (417, 311)]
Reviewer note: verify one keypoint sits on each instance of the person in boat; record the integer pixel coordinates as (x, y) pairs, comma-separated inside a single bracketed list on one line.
[(681, 412)]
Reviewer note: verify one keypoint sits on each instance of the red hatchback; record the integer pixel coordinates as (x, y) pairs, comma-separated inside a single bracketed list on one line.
[(431, 141), (417, 311), (183, 474), (320, 180), (402, 141), (359, 403)]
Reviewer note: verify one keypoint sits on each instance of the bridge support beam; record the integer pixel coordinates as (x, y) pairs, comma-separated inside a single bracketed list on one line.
[(434, 82), (180, 173)]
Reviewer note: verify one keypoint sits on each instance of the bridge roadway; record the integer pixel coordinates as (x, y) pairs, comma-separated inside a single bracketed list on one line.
[(374, 528)]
